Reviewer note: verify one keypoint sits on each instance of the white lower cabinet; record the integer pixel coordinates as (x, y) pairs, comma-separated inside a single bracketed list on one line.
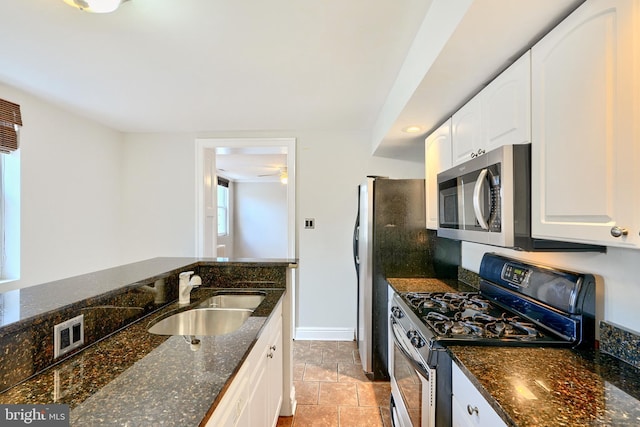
[(275, 376), (266, 399), (469, 408), (254, 397)]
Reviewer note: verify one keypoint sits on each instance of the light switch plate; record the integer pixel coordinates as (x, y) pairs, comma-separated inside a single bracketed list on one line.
[(68, 336)]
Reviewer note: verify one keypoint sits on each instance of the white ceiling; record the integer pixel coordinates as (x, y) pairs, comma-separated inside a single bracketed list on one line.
[(251, 167), (238, 65), (491, 36)]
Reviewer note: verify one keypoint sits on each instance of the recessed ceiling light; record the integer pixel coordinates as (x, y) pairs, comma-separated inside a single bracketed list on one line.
[(412, 129)]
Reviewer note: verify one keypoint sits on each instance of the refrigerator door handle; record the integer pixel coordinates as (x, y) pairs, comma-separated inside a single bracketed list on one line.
[(356, 258)]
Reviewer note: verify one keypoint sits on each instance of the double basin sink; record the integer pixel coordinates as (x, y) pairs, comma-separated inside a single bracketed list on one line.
[(217, 315)]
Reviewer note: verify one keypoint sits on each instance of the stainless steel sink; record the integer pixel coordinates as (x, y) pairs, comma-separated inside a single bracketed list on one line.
[(247, 301), (201, 321)]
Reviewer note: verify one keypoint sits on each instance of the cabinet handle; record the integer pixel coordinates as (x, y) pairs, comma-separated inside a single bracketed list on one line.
[(618, 231), (270, 355), (478, 154), (273, 347), (472, 409)]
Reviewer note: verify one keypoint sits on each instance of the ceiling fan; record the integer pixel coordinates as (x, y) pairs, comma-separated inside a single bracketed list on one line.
[(282, 172)]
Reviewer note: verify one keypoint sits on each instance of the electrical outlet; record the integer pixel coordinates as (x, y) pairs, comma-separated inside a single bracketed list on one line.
[(68, 335), (309, 223)]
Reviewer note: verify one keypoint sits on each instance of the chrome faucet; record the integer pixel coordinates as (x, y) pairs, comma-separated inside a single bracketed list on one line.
[(185, 285)]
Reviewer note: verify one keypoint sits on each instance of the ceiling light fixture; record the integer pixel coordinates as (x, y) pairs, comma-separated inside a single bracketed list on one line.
[(96, 6), (412, 129)]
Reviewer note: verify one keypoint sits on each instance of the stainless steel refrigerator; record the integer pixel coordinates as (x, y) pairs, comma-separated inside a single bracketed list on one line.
[(390, 240)]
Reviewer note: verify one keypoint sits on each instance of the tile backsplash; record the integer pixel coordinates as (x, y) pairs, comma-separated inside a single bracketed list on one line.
[(620, 343)]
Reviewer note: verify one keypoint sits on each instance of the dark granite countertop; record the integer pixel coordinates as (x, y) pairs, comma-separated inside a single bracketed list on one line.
[(545, 386), (135, 378), (553, 387), (402, 285)]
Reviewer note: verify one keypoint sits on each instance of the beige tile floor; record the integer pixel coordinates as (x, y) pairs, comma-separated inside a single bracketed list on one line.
[(332, 390)]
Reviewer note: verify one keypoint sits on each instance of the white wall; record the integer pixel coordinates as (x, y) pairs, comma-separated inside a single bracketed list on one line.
[(260, 220), (70, 195), (159, 219), (330, 168), (619, 270), (159, 196)]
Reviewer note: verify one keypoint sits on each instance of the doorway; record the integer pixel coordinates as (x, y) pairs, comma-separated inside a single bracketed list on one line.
[(207, 151)]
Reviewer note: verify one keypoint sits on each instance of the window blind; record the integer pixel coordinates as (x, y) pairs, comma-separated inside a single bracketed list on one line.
[(10, 119), (223, 182)]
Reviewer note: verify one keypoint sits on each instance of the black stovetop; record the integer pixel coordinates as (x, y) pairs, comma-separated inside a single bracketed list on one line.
[(471, 318)]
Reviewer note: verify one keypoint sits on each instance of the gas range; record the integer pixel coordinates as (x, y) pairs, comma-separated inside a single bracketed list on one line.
[(517, 304)]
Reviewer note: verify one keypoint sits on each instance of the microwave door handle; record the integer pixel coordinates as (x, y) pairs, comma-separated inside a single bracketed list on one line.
[(476, 199)]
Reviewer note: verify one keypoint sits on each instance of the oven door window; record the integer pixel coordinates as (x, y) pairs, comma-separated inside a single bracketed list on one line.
[(409, 384)]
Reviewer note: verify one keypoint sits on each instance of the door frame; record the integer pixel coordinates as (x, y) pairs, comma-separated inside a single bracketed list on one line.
[(287, 145)]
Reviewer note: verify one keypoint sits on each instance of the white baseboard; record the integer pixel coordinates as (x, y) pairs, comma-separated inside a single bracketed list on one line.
[(325, 334)]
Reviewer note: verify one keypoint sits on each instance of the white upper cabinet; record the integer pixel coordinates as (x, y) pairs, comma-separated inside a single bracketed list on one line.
[(585, 127), (466, 131), (506, 106), (499, 115), (437, 159)]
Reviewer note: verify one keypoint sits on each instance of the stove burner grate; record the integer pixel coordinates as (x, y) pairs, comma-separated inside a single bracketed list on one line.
[(480, 325), (447, 301)]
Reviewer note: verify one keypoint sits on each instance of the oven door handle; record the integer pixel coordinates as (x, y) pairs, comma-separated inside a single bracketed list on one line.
[(418, 366), (477, 209)]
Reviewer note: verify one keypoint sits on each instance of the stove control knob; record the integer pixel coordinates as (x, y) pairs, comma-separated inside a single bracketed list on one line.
[(416, 339), (397, 312), (417, 342)]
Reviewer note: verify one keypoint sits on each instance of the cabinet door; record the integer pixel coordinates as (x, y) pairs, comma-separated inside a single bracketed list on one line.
[(437, 154), (232, 407), (468, 406), (258, 401), (466, 131), (584, 133), (274, 375), (506, 106)]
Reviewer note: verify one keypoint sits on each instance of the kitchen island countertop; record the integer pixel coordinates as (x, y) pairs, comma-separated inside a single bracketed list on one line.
[(135, 378), (548, 387)]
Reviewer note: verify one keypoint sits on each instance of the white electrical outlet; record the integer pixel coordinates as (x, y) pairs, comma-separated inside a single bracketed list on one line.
[(68, 335)]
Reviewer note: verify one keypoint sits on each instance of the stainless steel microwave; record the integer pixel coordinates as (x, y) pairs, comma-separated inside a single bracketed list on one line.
[(488, 200)]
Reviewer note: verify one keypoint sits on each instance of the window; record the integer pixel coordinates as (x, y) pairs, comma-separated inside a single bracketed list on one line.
[(10, 122), (223, 207)]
